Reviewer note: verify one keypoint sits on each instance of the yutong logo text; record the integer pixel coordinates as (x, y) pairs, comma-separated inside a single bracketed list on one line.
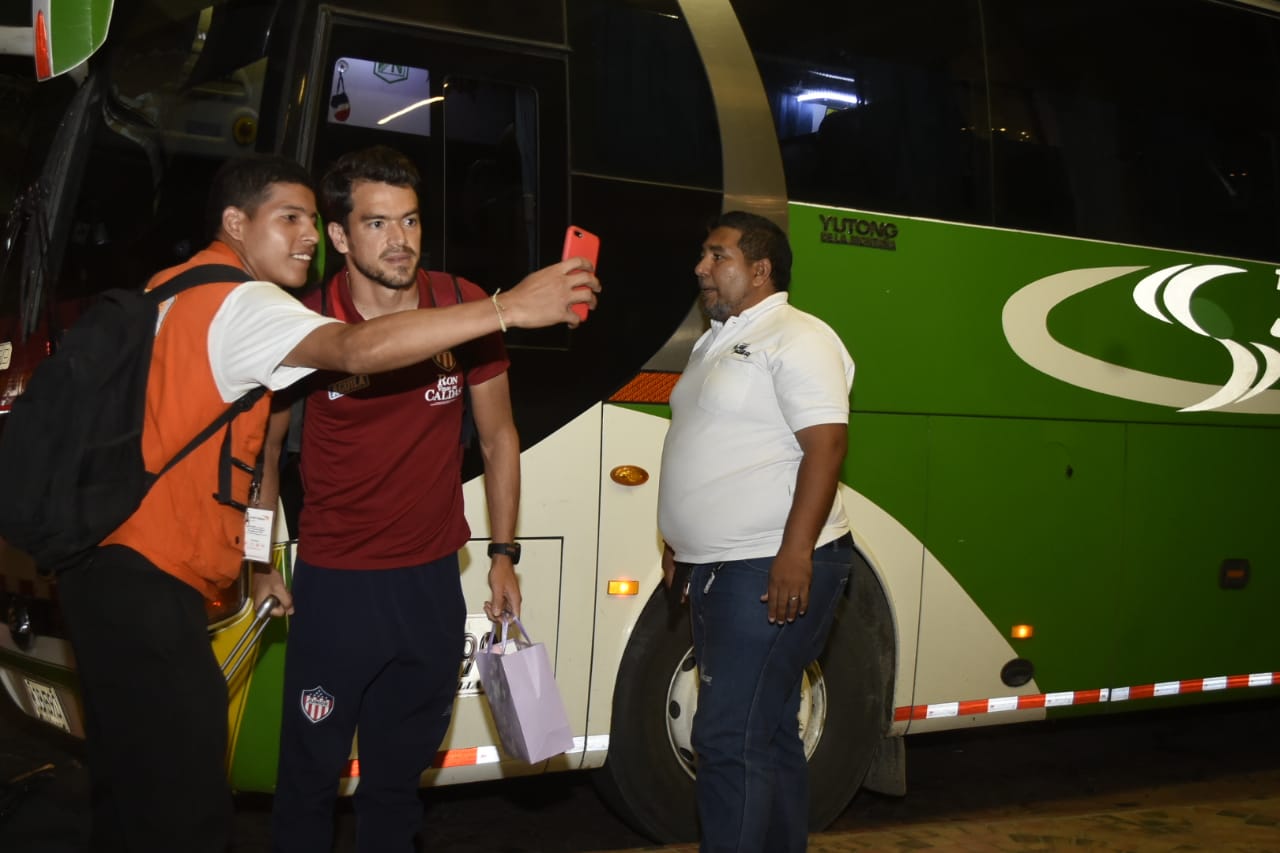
[(853, 231)]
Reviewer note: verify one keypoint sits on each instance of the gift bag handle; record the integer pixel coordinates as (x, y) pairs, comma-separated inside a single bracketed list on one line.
[(506, 622)]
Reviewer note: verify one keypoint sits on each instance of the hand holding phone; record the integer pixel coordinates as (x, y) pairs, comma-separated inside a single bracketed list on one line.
[(580, 243)]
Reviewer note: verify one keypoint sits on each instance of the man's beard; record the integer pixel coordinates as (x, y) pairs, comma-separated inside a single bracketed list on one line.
[(719, 311), (383, 279)]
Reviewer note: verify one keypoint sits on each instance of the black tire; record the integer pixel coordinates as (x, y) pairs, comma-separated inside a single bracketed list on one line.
[(650, 784)]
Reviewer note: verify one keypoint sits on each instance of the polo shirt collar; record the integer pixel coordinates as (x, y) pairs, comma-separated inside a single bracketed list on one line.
[(770, 302)]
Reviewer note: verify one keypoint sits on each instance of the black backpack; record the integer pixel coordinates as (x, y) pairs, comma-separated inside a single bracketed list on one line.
[(71, 466)]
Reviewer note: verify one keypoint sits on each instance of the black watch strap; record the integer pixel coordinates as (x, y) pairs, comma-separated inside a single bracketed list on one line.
[(511, 549)]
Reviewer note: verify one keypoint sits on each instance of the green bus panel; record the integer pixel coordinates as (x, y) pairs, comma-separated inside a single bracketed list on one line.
[(922, 314), (1026, 515), (887, 463), (1196, 496)]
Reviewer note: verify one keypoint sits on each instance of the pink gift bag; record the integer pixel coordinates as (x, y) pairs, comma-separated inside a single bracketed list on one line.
[(523, 697)]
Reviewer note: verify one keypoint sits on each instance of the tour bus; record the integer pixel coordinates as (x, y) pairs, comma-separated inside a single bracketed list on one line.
[(1048, 233)]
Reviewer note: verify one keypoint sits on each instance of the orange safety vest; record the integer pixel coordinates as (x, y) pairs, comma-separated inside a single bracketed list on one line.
[(180, 526)]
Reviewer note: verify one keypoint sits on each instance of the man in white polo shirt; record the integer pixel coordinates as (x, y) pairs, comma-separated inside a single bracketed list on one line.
[(749, 510)]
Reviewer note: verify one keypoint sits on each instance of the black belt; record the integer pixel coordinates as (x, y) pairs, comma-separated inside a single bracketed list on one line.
[(844, 543)]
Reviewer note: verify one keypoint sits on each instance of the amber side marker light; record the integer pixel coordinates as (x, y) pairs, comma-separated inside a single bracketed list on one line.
[(622, 587), (629, 475), (1022, 632)]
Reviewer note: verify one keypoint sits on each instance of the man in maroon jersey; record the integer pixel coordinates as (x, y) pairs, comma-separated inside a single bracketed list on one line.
[(376, 637)]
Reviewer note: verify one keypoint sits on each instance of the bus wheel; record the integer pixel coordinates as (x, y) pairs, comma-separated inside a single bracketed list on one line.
[(648, 776)]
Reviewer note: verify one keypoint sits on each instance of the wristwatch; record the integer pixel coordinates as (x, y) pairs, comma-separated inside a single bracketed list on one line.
[(511, 549)]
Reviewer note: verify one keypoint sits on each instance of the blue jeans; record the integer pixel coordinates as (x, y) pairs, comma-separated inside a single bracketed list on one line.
[(753, 780)]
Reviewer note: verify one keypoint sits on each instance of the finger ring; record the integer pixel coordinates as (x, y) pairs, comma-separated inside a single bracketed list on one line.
[(794, 598)]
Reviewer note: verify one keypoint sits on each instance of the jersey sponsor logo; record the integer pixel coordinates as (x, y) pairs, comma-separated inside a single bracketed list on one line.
[(349, 385), (447, 389), (1165, 295), (446, 361), (316, 703)]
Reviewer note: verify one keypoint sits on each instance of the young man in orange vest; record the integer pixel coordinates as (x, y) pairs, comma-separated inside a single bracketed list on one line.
[(154, 696)]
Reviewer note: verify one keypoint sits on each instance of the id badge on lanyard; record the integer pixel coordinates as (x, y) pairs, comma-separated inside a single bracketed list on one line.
[(258, 528)]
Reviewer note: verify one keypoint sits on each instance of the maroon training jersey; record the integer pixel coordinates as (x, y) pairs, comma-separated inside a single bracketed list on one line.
[(381, 456)]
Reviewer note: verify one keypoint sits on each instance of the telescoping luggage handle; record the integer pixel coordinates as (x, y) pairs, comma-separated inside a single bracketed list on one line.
[(249, 639)]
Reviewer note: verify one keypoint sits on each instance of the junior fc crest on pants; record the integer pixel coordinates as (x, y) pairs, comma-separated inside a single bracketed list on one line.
[(317, 704)]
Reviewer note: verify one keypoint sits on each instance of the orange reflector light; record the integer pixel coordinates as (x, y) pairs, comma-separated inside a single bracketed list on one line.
[(629, 475), (623, 587), (353, 769), (43, 53), (1022, 632)]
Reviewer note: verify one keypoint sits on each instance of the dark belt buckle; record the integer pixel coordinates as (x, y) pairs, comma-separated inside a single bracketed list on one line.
[(845, 541)]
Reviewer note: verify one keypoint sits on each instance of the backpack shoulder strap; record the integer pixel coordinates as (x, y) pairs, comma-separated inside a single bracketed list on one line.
[(242, 404), (202, 274), (206, 274)]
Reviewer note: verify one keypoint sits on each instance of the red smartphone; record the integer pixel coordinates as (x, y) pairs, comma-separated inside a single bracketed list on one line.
[(580, 243)]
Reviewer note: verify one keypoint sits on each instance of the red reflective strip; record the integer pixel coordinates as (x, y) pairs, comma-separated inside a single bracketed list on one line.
[(1082, 697), (444, 758), (43, 53), (455, 758)]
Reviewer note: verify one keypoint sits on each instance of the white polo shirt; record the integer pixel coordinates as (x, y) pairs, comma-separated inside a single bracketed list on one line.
[(731, 457)]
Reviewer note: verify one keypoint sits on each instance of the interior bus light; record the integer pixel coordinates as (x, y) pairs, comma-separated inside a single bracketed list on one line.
[(623, 587), (395, 115), (831, 76), (828, 95), (1022, 632)]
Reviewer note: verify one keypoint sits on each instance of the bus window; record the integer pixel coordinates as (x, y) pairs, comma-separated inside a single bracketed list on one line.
[(873, 111), (635, 115), (1164, 140), (491, 181)]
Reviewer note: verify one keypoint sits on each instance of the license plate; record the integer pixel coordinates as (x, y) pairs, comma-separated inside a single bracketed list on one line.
[(45, 702)]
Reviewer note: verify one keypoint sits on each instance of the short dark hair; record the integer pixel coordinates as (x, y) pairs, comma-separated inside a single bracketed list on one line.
[(761, 238), (378, 164), (244, 182)]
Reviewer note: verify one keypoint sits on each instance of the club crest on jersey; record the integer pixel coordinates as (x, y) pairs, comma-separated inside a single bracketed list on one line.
[(446, 360), (317, 703), (348, 385)]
